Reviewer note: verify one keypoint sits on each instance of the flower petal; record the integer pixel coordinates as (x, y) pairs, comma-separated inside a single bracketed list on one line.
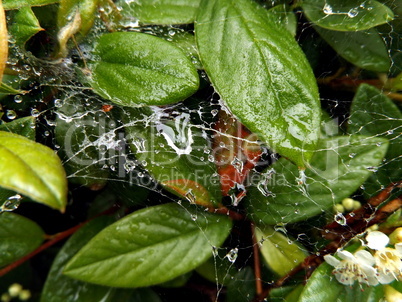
[(398, 247), (384, 278), (345, 255), (331, 260), (364, 257), (377, 240)]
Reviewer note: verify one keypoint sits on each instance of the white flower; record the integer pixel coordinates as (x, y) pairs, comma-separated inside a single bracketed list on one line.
[(388, 260), (357, 267)]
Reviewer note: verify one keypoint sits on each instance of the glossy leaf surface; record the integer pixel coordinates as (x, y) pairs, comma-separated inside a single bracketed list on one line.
[(365, 49), (16, 4), (338, 168), (22, 171), (124, 254), (18, 236), (24, 126), (162, 11), (351, 15), (284, 16), (25, 25), (261, 74), (373, 114), (135, 69)]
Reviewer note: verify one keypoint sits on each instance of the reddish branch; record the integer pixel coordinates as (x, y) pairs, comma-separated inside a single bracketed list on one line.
[(257, 265)]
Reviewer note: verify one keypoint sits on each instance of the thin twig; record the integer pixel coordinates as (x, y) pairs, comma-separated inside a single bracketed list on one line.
[(257, 263)]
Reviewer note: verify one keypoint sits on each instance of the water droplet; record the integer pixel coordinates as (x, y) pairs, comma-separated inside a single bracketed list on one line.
[(353, 13), (129, 166), (11, 203), (214, 251), (214, 112), (390, 131), (372, 169), (194, 217), (378, 144), (327, 9), (232, 255), (35, 112), (339, 218), (237, 164), (190, 196), (18, 98), (301, 180), (11, 114), (58, 103), (351, 155), (211, 158)]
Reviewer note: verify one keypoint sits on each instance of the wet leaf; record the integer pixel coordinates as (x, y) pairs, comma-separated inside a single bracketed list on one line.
[(365, 49), (284, 16), (3, 41), (261, 74), (18, 236), (24, 126), (351, 15), (6, 89), (340, 165), (175, 152), (186, 42), (22, 171), (280, 252), (16, 4), (165, 234), (242, 287), (373, 114), (161, 11), (135, 69), (24, 25), (322, 278)]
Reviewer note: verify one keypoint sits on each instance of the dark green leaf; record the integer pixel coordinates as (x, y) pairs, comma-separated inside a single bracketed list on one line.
[(374, 114), (161, 11), (262, 75), (23, 170), (24, 126), (351, 15), (135, 69), (186, 42), (242, 287), (294, 295), (365, 49), (338, 168), (322, 286), (24, 25), (150, 246), (18, 236), (283, 15), (280, 252), (6, 89), (14, 4), (175, 153)]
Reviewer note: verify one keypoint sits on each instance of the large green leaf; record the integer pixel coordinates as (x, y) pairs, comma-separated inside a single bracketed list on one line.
[(374, 114), (24, 25), (161, 11), (280, 252), (33, 170), (18, 236), (322, 286), (175, 153), (150, 246), (261, 74), (135, 69), (365, 49), (14, 4), (351, 15), (338, 168)]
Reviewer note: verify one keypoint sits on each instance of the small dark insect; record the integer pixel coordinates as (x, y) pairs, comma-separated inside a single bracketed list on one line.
[(107, 108)]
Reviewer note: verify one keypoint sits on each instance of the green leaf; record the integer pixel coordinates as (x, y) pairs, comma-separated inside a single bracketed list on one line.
[(161, 11), (242, 287), (283, 15), (334, 291), (261, 74), (82, 133), (17, 4), (351, 15), (175, 153), (373, 114), (338, 168), (281, 253), (173, 237), (186, 42), (365, 49), (6, 89), (24, 25), (24, 126), (86, 10), (135, 69), (18, 236), (23, 170)]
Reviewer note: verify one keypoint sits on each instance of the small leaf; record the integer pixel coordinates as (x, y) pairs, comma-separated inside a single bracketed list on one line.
[(186, 42), (281, 253), (338, 168), (24, 25), (23, 170), (18, 236), (161, 11), (365, 49), (261, 74), (125, 254), (351, 15), (373, 114), (6, 89), (3, 41), (334, 291), (135, 69), (24, 126), (16, 4)]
